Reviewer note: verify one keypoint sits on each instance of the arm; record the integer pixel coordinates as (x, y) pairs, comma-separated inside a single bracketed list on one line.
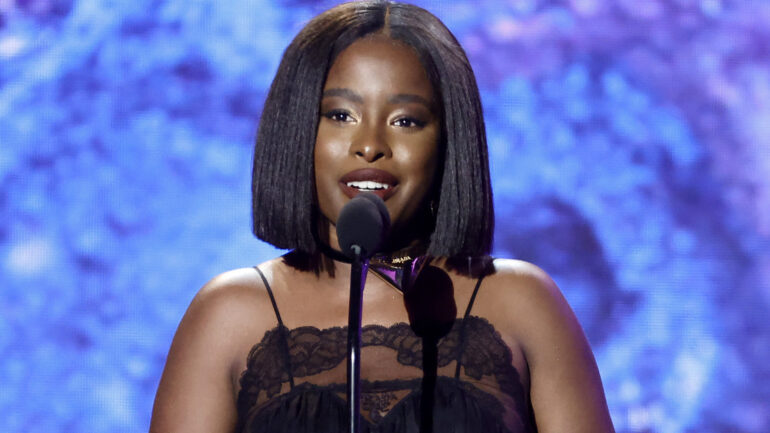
[(196, 391), (565, 386)]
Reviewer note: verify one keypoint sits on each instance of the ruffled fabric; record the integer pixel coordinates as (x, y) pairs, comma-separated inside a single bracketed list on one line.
[(485, 394), (314, 409)]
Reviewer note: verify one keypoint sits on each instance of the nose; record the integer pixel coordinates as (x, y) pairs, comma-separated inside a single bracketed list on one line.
[(371, 143)]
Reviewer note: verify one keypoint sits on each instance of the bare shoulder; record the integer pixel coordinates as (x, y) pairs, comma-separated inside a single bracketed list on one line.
[(521, 275), (565, 387), (238, 282), (233, 295), (197, 387), (237, 301), (522, 298), (229, 311), (520, 283)]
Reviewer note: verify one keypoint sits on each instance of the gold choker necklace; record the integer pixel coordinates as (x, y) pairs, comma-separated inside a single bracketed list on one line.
[(400, 268)]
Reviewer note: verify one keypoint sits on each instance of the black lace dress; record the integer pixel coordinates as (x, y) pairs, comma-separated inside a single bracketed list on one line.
[(295, 381)]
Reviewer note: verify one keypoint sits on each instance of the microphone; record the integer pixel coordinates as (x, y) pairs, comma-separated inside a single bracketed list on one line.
[(363, 223)]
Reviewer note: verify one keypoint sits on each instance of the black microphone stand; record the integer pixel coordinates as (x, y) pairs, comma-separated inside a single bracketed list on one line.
[(357, 279), (429, 375)]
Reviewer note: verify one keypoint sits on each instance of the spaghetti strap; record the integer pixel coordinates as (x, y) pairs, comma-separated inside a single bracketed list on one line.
[(461, 343), (272, 298), (281, 328), (473, 297)]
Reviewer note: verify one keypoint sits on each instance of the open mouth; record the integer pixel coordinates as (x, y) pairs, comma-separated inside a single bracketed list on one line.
[(368, 185), (378, 182)]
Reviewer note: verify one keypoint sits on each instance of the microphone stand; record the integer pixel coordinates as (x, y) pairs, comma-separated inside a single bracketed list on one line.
[(357, 279), (429, 374)]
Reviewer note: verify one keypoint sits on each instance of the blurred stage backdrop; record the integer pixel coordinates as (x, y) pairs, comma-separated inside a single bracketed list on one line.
[(630, 149)]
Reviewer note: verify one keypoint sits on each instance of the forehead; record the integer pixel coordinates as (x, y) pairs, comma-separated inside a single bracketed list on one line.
[(378, 62)]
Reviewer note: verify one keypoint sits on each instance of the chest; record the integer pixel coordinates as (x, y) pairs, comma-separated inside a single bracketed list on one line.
[(306, 355), (473, 365)]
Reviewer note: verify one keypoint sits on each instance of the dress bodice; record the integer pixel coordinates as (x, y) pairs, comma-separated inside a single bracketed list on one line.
[(295, 381)]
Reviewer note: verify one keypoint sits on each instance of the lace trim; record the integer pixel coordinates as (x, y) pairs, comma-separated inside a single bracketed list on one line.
[(313, 350)]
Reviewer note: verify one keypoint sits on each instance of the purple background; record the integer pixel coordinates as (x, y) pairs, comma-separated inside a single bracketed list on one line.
[(630, 150)]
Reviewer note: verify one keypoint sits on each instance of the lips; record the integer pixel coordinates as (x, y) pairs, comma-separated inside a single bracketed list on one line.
[(378, 182)]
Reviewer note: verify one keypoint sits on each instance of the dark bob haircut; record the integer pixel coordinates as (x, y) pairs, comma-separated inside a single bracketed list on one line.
[(284, 208)]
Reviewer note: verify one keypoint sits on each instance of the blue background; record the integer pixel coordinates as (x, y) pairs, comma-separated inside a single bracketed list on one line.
[(630, 151)]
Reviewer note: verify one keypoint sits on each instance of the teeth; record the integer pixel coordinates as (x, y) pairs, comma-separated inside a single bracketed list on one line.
[(368, 185)]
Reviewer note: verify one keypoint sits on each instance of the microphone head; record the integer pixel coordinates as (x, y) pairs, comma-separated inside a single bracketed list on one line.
[(363, 221)]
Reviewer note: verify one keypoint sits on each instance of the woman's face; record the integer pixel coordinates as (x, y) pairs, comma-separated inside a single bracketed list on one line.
[(378, 130)]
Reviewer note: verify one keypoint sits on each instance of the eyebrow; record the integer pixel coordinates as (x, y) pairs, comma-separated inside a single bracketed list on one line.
[(395, 99), (344, 93), (409, 97)]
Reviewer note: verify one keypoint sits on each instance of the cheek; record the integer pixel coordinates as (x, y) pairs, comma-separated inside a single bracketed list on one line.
[(431, 165), (424, 160), (326, 156), (330, 145)]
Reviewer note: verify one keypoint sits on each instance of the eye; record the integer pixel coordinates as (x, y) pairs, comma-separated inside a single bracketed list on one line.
[(338, 116), (408, 122)]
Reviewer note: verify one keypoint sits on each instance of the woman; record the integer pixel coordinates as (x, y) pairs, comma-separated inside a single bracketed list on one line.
[(378, 97)]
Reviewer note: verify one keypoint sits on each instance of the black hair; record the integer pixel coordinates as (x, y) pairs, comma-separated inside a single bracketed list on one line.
[(284, 204)]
